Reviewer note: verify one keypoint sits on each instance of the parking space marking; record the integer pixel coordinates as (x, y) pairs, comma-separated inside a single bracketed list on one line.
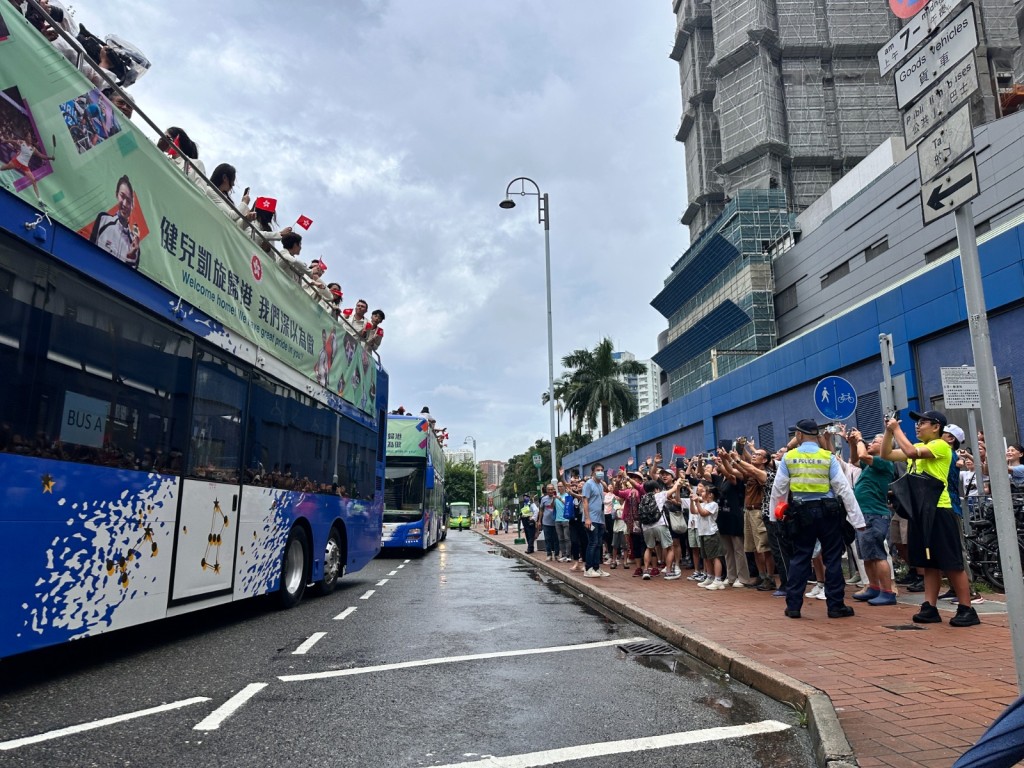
[(455, 659), (381, 583), (308, 643), (81, 727), (625, 746), (213, 721), (366, 594), (345, 614)]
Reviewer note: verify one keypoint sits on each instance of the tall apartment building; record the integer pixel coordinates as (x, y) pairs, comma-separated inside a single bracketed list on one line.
[(493, 472), (781, 98), (461, 455), (646, 387)]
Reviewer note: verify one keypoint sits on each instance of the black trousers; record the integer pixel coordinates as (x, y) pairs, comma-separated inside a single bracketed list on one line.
[(826, 528)]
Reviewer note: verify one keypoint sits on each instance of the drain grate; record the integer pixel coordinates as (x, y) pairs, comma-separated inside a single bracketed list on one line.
[(647, 649), (904, 627)]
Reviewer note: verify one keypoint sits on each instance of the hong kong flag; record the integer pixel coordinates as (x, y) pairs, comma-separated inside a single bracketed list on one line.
[(305, 222)]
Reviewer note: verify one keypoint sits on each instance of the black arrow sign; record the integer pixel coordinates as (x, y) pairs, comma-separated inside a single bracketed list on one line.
[(937, 198)]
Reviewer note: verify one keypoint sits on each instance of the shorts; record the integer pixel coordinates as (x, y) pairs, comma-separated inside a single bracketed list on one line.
[(657, 535), (692, 538), (755, 536), (871, 541), (619, 541), (945, 550), (898, 530), (711, 547), (679, 536), (19, 166)]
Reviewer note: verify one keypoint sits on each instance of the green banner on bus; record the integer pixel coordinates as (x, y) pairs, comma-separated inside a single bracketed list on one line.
[(407, 436), (64, 143)]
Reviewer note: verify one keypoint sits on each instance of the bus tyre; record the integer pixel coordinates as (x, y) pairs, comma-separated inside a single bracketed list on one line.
[(334, 564), (294, 568)]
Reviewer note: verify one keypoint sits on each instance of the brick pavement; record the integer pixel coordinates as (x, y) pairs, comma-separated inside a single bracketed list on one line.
[(906, 698)]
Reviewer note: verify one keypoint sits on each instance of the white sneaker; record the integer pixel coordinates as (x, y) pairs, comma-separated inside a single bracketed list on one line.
[(591, 574), (821, 595), (738, 584), (815, 591), (603, 572), (672, 575), (717, 585), (707, 582)]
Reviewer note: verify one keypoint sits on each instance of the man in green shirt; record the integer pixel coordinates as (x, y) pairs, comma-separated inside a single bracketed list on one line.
[(871, 491)]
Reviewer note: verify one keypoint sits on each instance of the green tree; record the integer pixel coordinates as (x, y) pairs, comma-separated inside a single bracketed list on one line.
[(458, 482), (593, 389), (520, 472)]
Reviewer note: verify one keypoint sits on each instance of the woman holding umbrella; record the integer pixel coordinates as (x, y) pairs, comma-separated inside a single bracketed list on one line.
[(933, 537)]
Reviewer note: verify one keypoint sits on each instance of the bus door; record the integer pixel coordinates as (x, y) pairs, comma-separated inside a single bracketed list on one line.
[(207, 530)]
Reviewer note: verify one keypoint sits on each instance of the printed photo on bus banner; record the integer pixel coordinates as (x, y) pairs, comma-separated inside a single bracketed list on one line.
[(63, 145)]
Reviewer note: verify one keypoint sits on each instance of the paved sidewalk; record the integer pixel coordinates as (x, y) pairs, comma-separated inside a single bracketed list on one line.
[(906, 696)]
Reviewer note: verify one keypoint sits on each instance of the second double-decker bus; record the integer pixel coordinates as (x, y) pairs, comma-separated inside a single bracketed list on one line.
[(414, 500), (181, 425)]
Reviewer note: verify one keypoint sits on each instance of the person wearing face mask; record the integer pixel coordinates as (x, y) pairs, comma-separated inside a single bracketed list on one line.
[(593, 518)]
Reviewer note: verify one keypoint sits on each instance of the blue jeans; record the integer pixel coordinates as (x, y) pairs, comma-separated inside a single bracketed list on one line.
[(595, 546)]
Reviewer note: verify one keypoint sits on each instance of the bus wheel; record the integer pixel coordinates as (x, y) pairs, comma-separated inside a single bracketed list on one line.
[(334, 564), (293, 568)]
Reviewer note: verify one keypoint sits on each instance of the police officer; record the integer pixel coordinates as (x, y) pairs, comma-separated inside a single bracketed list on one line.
[(814, 478)]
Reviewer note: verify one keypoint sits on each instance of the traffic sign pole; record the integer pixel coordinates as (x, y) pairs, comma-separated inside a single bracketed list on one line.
[(988, 389)]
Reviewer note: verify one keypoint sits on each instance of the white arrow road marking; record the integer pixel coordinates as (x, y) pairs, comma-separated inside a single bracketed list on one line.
[(566, 754), (454, 659), (73, 729), (213, 721)]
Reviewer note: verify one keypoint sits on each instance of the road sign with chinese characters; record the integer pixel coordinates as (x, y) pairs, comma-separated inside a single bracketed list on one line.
[(960, 387), (953, 89), (942, 51), (941, 148), (914, 33), (950, 190)]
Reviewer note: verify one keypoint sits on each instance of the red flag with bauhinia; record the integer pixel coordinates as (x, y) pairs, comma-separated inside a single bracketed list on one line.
[(305, 222), (678, 450)]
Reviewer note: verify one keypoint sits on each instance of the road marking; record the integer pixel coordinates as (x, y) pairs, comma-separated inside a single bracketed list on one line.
[(392, 573), (345, 614), (406, 561), (213, 720), (453, 659), (566, 754), (312, 640), (381, 583), (366, 595), (403, 565), (73, 729)]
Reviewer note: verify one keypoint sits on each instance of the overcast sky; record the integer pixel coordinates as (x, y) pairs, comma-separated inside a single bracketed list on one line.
[(396, 126)]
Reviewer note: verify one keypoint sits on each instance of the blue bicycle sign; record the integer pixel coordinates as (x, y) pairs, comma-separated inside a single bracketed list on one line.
[(835, 398)]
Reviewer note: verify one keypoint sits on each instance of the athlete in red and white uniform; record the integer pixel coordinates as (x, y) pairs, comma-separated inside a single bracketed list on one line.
[(21, 160)]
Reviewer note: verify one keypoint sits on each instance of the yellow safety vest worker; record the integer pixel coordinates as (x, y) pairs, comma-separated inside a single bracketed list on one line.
[(808, 472)]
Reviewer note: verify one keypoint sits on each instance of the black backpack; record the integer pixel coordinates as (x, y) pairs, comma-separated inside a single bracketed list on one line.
[(648, 512)]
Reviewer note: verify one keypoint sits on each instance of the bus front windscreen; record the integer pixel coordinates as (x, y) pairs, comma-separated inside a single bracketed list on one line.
[(403, 493)]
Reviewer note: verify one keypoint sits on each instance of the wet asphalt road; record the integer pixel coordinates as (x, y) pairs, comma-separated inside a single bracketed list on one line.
[(465, 598)]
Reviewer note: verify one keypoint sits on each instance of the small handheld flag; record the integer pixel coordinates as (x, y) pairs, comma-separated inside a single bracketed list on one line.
[(678, 450), (304, 221)]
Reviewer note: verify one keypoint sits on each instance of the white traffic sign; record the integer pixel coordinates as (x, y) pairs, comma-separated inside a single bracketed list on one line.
[(946, 144), (953, 89), (914, 33), (940, 53), (951, 190), (960, 387)]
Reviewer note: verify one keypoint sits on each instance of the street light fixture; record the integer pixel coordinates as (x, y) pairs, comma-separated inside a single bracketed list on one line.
[(543, 217), (471, 439)]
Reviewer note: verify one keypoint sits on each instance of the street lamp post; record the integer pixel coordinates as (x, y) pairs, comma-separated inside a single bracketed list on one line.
[(471, 439), (543, 217)]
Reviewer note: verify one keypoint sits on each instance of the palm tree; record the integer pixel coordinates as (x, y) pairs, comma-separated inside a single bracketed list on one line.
[(593, 386), (563, 389)]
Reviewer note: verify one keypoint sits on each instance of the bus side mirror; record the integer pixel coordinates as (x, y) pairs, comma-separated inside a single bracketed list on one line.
[(430, 478)]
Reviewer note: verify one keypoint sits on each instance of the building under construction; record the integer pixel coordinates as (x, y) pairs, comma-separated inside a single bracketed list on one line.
[(781, 98)]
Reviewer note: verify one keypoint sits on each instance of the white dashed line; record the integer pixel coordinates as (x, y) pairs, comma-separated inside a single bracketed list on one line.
[(366, 595), (407, 561), (402, 566), (213, 721), (73, 729), (345, 614), (381, 583), (453, 659), (584, 751), (392, 573), (313, 639)]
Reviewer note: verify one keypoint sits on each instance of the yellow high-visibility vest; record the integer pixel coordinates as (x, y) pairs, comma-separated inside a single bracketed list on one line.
[(808, 472)]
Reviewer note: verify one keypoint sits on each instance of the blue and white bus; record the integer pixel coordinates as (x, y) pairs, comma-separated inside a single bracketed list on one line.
[(414, 500), (179, 430)]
